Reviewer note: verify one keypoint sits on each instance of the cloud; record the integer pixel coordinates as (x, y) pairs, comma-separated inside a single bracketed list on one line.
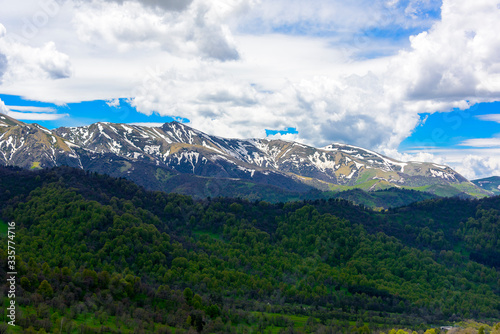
[(337, 18), (168, 5), (3, 66), (446, 67), (457, 59), (34, 116), (322, 109), (30, 113), (33, 109), (3, 108), (490, 117), (475, 166), (470, 162), (113, 103), (149, 124), (3, 58), (197, 31), (24, 62), (481, 142)]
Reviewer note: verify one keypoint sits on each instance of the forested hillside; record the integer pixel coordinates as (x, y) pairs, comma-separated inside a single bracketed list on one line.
[(97, 254)]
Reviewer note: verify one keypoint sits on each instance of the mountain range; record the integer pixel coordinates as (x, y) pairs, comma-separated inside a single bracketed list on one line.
[(178, 158)]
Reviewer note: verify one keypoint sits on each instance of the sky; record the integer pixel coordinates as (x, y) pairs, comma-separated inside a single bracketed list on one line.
[(414, 79)]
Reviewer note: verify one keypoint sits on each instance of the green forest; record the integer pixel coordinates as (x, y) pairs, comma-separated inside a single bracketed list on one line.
[(95, 254)]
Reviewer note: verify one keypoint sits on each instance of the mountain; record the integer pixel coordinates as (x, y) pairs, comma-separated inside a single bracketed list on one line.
[(32, 146), (174, 155), (491, 184)]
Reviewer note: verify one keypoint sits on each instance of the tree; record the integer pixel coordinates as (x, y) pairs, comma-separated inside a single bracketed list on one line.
[(213, 311), (45, 289), (188, 295)]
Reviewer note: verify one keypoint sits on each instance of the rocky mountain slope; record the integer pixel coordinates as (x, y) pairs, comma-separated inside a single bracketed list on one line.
[(151, 156), (31, 146)]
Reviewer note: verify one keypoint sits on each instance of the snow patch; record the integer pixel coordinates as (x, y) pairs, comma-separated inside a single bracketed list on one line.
[(321, 161), (152, 149), (440, 166), (350, 175)]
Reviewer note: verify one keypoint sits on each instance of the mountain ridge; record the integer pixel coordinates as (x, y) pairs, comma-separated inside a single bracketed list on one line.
[(175, 148)]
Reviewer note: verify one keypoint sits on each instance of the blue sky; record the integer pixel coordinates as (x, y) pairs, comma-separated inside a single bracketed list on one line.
[(453, 129), (87, 112), (412, 79), (435, 131)]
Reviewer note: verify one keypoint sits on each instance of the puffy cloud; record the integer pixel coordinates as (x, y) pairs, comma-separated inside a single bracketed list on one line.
[(472, 163), (114, 103), (476, 166), (22, 62), (419, 156), (323, 109), (457, 59), (446, 67), (196, 31)]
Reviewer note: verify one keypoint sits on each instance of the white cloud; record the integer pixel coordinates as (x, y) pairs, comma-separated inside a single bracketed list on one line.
[(446, 67), (149, 124), (30, 113), (457, 59), (421, 156), (292, 137), (476, 167), (113, 103), (34, 116), (197, 31), (3, 108), (34, 63), (472, 163), (490, 117), (169, 5), (321, 108), (343, 18), (481, 142), (33, 109)]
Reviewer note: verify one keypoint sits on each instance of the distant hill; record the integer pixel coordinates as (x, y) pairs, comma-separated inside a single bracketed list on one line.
[(490, 184)]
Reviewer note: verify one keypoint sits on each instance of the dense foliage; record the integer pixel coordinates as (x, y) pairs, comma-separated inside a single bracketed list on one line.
[(97, 253)]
